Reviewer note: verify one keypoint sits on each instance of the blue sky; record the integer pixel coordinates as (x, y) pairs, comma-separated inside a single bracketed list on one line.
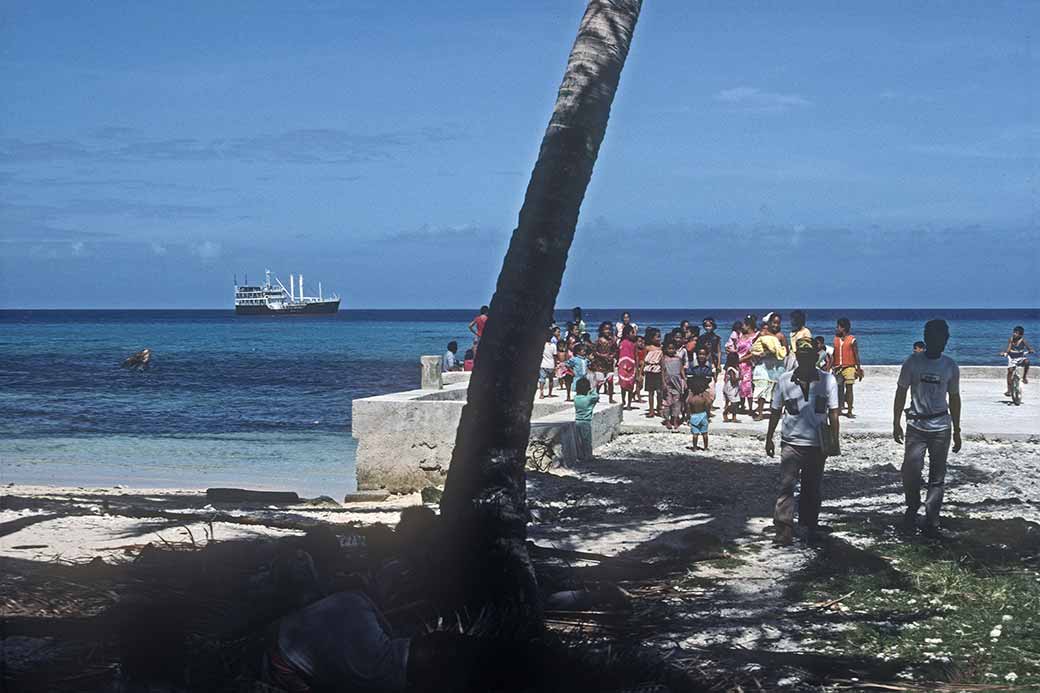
[(818, 154)]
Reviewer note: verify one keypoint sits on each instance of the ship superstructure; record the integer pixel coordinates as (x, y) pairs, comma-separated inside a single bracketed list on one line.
[(274, 299)]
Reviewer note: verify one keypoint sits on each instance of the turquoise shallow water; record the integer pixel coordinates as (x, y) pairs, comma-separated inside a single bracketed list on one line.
[(265, 402), (311, 464)]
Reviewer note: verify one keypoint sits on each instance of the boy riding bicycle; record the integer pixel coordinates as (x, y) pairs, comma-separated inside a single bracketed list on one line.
[(1017, 352)]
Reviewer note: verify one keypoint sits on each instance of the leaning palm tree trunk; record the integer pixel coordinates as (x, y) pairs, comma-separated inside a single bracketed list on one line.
[(484, 505)]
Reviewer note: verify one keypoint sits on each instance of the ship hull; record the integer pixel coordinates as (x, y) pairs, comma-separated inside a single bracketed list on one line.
[(314, 308)]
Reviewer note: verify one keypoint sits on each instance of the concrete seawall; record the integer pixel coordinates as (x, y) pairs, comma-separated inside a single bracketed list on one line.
[(406, 439)]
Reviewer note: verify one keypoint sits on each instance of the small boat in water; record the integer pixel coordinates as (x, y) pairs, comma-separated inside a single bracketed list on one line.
[(275, 299)]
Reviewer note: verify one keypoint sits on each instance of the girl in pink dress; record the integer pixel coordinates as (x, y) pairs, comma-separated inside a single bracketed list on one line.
[(626, 367), (744, 341)]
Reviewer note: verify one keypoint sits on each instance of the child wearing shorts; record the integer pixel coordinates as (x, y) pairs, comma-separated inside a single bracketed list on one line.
[(548, 368)]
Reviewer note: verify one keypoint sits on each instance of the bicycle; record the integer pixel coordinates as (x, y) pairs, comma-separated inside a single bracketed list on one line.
[(1016, 366)]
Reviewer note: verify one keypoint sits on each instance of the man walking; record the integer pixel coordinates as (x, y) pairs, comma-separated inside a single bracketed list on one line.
[(806, 398), (933, 418)]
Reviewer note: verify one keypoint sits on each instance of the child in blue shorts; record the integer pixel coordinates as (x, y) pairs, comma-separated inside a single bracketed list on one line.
[(699, 397), (698, 422)]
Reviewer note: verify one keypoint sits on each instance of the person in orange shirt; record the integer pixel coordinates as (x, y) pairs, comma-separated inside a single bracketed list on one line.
[(476, 325), (846, 364)]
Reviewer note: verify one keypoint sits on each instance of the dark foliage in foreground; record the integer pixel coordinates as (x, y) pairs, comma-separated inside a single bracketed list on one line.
[(181, 618)]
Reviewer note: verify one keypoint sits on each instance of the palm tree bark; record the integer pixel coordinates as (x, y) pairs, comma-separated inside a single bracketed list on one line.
[(484, 506)]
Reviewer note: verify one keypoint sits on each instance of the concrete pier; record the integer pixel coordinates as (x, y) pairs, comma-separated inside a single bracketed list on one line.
[(986, 414), (405, 439)]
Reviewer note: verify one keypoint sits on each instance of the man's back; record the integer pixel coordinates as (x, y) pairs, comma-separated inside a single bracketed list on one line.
[(930, 381)]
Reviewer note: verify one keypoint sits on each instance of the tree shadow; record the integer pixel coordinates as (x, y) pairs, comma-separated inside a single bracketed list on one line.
[(719, 498)]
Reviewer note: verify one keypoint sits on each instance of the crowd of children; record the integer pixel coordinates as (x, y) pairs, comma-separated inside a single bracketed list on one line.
[(679, 373)]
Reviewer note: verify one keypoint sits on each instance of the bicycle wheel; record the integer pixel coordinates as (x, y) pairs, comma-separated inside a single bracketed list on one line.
[(1016, 390)]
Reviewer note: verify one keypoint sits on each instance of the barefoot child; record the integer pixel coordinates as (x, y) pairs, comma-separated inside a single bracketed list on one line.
[(640, 363), (731, 387), (548, 369), (699, 379), (585, 399), (698, 407), (604, 361), (846, 364), (564, 375), (672, 384), (652, 370), (626, 365)]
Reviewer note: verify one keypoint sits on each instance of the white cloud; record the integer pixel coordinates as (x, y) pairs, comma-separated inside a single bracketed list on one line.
[(158, 248), (78, 248), (754, 100), (207, 250)]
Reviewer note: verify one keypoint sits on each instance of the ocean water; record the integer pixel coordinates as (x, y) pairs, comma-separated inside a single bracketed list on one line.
[(265, 402)]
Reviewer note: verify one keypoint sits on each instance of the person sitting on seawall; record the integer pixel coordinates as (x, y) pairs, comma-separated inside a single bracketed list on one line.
[(919, 347), (1017, 352), (448, 361), (807, 398), (931, 378)]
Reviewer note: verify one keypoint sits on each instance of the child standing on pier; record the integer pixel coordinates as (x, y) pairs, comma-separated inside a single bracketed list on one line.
[(699, 382), (652, 370), (640, 363), (626, 365), (547, 372), (731, 387), (672, 383), (585, 400), (578, 365), (564, 375), (604, 360)]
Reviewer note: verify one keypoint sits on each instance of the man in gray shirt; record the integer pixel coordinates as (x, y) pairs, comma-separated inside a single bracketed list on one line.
[(934, 416)]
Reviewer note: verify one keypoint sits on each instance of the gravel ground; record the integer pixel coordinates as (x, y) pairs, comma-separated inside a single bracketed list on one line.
[(746, 612)]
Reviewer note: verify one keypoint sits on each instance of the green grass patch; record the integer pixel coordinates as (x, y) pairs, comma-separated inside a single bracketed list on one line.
[(725, 563), (965, 609)]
